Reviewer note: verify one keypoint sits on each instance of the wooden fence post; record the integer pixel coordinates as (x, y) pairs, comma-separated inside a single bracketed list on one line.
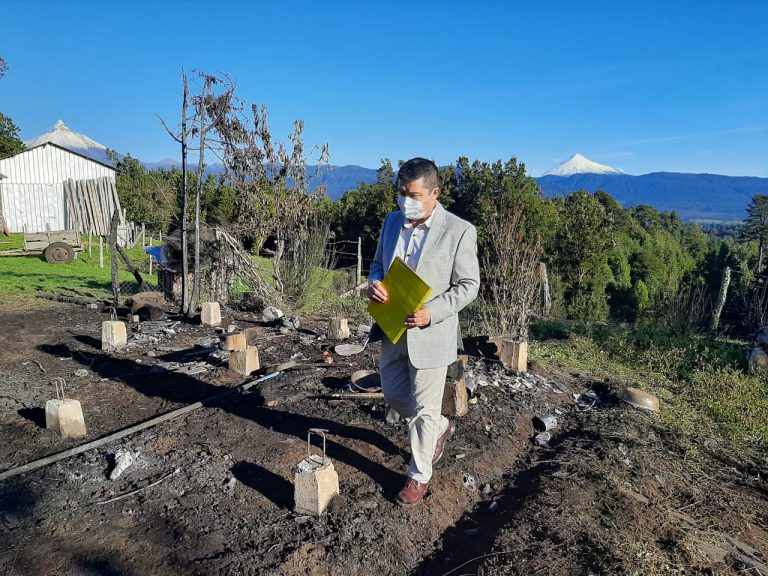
[(101, 252)]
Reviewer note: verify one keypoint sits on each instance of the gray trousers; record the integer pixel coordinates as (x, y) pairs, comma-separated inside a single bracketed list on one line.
[(417, 395)]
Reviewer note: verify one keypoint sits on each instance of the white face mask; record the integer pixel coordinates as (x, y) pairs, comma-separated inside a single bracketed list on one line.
[(411, 209)]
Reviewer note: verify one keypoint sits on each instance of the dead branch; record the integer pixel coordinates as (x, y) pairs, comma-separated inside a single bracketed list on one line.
[(360, 286), (171, 134), (35, 362), (132, 492), (132, 269)]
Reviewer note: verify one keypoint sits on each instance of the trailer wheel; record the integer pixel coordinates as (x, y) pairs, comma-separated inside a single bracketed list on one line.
[(59, 253)]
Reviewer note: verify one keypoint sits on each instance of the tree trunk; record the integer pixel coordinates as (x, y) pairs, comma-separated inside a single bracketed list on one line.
[(760, 257), (200, 167), (546, 298), (276, 259), (184, 249), (721, 298), (359, 276)]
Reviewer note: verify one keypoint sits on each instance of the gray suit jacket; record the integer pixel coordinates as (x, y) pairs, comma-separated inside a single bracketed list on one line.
[(448, 263)]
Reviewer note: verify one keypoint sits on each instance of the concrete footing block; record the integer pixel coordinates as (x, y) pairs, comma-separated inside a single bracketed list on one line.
[(210, 315), (316, 482), (244, 362), (65, 417), (338, 329), (113, 335), (237, 341)]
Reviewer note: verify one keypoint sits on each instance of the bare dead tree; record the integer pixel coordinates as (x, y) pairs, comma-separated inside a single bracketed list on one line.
[(270, 179), (722, 296), (181, 137), (210, 107), (184, 227), (510, 264), (274, 200)]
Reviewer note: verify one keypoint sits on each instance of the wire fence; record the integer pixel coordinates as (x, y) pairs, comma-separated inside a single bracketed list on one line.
[(137, 269)]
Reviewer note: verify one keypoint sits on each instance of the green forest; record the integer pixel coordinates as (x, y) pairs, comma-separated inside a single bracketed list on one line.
[(605, 262)]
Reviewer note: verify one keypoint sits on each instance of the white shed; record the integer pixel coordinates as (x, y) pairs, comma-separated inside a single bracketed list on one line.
[(32, 195)]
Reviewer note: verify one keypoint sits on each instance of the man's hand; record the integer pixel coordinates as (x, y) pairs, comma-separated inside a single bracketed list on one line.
[(377, 292), (418, 319)]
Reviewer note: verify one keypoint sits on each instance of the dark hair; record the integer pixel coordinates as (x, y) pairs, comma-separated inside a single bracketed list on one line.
[(417, 168)]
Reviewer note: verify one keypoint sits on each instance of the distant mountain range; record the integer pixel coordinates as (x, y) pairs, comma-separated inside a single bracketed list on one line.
[(337, 179), (700, 197)]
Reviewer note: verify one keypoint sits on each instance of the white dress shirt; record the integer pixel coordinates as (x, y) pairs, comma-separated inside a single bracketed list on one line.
[(411, 241)]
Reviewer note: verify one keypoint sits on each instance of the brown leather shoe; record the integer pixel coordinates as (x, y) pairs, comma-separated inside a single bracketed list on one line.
[(444, 437), (412, 493)]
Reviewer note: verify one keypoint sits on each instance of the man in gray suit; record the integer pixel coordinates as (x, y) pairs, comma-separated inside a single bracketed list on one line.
[(442, 249)]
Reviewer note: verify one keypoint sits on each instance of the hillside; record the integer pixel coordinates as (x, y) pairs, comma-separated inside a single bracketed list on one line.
[(694, 196)]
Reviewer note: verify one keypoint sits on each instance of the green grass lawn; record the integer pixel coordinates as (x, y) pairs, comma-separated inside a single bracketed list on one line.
[(22, 276)]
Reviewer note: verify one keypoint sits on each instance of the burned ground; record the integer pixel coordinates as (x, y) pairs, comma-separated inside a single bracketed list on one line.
[(612, 493)]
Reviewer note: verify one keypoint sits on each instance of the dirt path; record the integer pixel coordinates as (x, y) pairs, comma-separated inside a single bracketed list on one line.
[(223, 505)]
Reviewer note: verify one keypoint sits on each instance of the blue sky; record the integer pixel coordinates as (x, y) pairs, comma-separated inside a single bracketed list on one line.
[(643, 86)]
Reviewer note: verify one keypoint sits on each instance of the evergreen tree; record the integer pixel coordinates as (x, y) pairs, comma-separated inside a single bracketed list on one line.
[(10, 143), (581, 249), (756, 226)]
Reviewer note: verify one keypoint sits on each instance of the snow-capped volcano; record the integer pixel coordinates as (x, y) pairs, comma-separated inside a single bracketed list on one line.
[(63, 136), (578, 164)]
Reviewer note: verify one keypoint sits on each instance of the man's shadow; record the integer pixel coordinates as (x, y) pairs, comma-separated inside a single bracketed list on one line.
[(184, 389)]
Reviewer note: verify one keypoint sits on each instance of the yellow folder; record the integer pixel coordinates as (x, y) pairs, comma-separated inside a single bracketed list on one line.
[(406, 294)]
